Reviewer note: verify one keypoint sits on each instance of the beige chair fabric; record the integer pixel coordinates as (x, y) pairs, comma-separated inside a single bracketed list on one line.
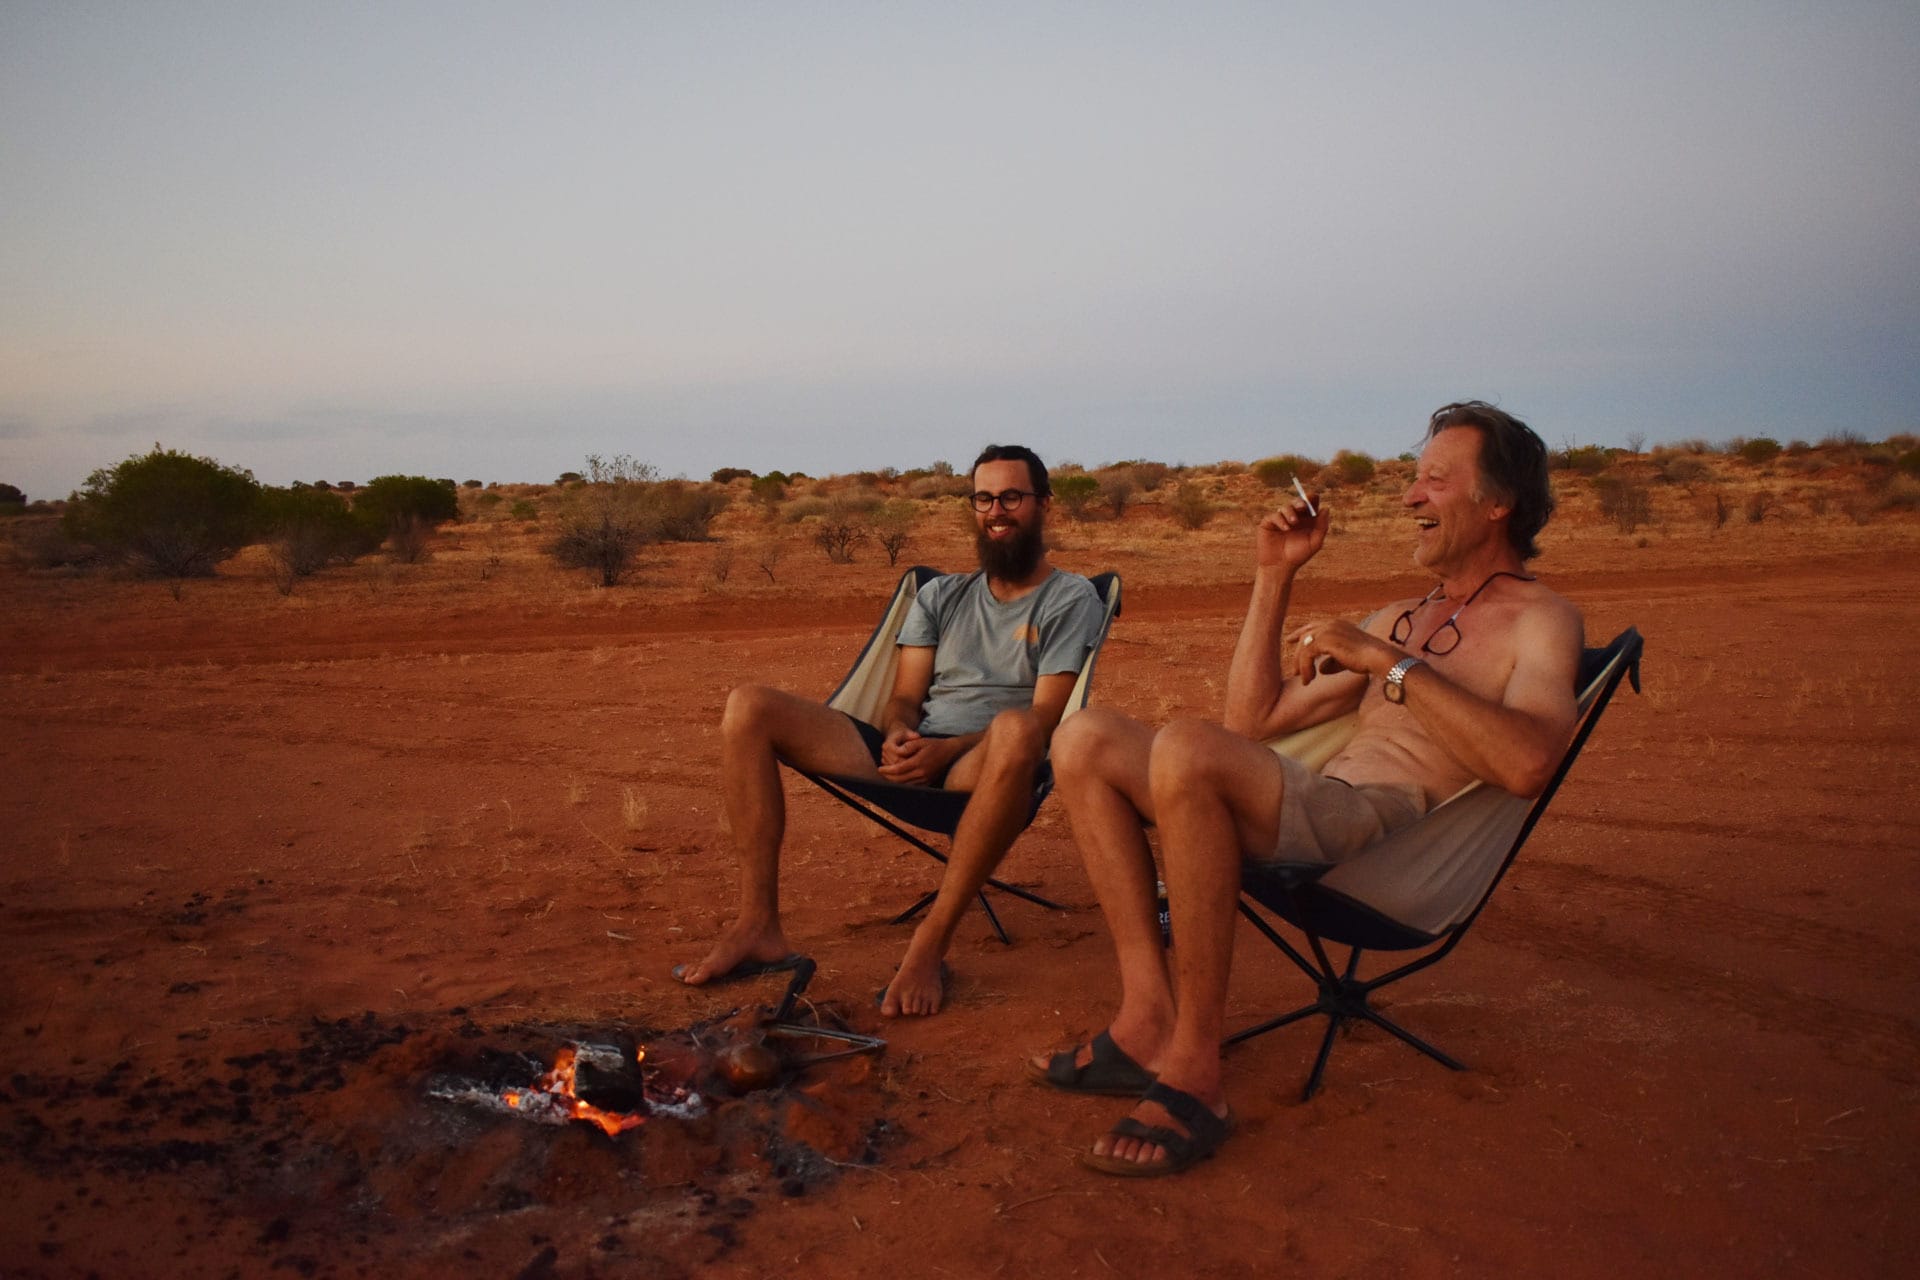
[(1429, 876)]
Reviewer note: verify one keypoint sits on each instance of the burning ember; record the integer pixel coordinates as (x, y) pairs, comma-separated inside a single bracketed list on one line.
[(616, 1087), (601, 1084), (555, 1093)]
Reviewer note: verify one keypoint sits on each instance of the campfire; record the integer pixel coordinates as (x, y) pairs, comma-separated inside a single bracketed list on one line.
[(618, 1086)]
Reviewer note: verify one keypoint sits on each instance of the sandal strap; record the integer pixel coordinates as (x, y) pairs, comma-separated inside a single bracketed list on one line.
[(1158, 1135), (1202, 1124)]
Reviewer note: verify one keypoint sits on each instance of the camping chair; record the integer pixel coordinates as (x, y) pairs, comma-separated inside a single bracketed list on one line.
[(1420, 886), (864, 694)]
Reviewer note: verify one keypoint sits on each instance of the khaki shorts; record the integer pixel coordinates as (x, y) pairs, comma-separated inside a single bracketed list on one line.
[(1325, 820)]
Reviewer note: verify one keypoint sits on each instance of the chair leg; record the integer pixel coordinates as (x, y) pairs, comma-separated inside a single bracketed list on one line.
[(1387, 1024), (993, 918), (1343, 998)]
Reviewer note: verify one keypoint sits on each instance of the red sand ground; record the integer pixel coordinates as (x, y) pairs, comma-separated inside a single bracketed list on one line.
[(1688, 1013)]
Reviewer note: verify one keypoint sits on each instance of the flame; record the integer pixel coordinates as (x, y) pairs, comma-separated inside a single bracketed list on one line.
[(555, 1089)]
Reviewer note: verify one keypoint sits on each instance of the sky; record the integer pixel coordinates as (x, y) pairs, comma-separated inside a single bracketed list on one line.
[(473, 240)]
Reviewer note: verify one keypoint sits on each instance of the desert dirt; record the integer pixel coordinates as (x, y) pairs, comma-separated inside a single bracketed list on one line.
[(274, 861)]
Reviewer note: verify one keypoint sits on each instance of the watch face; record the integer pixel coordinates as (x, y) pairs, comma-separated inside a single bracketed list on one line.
[(1394, 691)]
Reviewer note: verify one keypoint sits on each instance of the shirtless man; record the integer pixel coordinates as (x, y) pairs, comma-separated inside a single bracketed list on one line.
[(987, 663), (1475, 680)]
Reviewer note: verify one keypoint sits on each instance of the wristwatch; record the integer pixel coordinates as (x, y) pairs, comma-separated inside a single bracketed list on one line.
[(1394, 688)]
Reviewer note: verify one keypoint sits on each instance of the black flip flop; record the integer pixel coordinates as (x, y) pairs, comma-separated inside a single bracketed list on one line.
[(1109, 1072), (1205, 1132)]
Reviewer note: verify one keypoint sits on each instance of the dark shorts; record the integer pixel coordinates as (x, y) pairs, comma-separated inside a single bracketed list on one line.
[(876, 739)]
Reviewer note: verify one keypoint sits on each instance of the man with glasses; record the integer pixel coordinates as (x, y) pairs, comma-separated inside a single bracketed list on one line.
[(1475, 680), (987, 663)]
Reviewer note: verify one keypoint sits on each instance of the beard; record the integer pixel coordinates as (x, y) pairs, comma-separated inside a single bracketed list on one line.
[(1012, 559)]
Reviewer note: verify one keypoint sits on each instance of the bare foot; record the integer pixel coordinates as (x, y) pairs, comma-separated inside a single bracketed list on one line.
[(736, 947), (918, 989)]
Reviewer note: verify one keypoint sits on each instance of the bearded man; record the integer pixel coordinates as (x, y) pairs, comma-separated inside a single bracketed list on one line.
[(987, 663)]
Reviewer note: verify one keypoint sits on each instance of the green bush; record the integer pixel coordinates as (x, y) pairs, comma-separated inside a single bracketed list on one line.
[(166, 513), (1278, 472), (308, 529), (1076, 493), (1760, 449), (12, 501), (1350, 467), (1583, 459), (405, 510), (727, 475)]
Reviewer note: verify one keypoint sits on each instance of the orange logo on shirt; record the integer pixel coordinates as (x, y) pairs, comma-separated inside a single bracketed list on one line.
[(1027, 633)]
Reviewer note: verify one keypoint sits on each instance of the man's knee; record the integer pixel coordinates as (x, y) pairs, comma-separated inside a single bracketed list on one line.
[(1014, 741), (1185, 756), (750, 710), (1087, 742)]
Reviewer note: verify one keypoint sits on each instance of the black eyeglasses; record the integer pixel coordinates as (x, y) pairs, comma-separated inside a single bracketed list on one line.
[(1009, 499), (1403, 625)]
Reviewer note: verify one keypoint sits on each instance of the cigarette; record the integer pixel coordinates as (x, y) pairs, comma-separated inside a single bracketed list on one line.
[(1304, 498)]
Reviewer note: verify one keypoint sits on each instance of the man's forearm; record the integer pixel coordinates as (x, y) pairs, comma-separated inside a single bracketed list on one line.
[(900, 713), (1255, 677)]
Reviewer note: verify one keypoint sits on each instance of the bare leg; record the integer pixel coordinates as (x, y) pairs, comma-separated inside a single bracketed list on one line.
[(1218, 797), (1000, 772), (762, 727), (1100, 762)]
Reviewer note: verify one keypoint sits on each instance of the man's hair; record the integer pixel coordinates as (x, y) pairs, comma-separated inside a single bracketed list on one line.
[(1513, 467), (1036, 469)]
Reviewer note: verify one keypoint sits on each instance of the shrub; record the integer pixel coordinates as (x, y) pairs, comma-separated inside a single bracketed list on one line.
[(892, 526), (769, 490), (42, 542), (808, 508), (1149, 475), (1683, 469), (1582, 459), (766, 557), (610, 514), (1278, 471), (524, 509), (841, 528), (1624, 500), (1759, 505), (683, 512), (1076, 493), (1760, 449), (167, 513), (308, 529), (12, 501), (405, 510), (1190, 506), (470, 484), (727, 475), (1350, 467), (1116, 490), (935, 486)]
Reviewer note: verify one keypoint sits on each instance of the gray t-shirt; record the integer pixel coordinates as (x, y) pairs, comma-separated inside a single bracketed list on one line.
[(988, 654)]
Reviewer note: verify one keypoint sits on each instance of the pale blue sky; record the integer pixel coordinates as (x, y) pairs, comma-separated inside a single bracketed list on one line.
[(328, 240)]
